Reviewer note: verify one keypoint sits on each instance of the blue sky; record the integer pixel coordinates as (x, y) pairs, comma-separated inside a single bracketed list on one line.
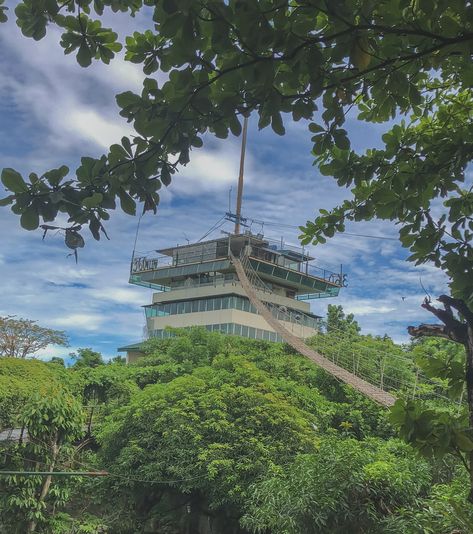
[(53, 112)]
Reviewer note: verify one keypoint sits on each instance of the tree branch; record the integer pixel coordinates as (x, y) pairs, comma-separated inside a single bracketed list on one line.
[(428, 330)]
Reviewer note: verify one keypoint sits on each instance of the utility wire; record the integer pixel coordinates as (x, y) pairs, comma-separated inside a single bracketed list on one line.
[(217, 225), (282, 225), (142, 480)]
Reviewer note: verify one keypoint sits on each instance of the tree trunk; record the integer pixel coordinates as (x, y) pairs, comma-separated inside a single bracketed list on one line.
[(469, 390), (460, 330), (31, 527)]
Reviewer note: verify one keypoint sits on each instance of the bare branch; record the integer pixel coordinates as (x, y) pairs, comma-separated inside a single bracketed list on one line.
[(458, 305), (429, 330)]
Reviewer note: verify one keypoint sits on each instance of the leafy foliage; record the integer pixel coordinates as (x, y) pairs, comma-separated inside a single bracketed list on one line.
[(224, 60), (53, 420), (346, 486), (19, 381), (86, 358), (20, 338), (227, 432), (337, 321)]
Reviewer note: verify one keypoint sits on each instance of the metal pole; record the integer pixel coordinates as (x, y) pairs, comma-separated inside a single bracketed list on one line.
[(240, 176)]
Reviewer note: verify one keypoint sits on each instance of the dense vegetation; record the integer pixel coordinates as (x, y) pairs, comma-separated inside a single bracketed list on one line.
[(212, 433)]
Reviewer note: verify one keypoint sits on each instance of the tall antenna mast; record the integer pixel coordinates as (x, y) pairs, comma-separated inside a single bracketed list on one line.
[(240, 176)]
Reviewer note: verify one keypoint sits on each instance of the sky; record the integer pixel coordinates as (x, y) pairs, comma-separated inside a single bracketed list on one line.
[(53, 112)]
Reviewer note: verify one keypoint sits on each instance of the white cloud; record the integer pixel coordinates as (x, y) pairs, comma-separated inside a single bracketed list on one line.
[(73, 104), (367, 309), (119, 295), (79, 321), (54, 351), (91, 125)]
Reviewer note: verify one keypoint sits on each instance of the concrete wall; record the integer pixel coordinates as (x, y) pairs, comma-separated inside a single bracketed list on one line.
[(132, 356)]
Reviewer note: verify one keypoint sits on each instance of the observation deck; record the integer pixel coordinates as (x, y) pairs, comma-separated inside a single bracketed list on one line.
[(286, 270)]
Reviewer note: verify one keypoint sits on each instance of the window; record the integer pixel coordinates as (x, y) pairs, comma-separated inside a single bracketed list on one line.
[(201, 305)]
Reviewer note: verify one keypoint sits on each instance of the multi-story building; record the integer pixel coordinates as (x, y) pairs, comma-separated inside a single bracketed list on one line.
[(197, 285)]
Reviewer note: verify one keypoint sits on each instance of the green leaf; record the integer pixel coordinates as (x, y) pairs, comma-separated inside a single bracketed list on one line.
[(13, 181), (277, 124), (93, 201), (7, 200), (464, 442), (74, 240), (127, 204), (29, 219), (341, 139), (315, 128), (84, 56)]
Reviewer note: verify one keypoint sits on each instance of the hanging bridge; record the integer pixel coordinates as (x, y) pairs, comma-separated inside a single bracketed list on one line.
[(251, 283)]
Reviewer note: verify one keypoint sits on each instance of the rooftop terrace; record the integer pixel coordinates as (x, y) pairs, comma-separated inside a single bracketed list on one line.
[(209, 263)]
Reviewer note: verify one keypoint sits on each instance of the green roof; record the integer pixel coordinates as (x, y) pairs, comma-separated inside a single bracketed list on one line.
[(135, 346)]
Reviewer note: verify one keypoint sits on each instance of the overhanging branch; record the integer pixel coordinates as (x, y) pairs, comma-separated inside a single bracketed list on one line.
[(428, 330), (452, 328)]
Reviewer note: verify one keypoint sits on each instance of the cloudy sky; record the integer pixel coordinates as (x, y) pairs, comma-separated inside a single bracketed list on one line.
[(52, 112)]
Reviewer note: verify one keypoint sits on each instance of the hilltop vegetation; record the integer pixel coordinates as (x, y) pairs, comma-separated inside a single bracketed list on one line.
[(212, 433)]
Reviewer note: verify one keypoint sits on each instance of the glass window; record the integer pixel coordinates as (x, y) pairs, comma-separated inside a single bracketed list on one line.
[(252, 333), (266, 335), (217, 303), (244, 331), (246, 305), (194, 306)]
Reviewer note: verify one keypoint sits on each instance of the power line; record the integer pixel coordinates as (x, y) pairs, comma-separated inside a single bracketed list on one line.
[(214, 227), (282, 225), (55, 473)]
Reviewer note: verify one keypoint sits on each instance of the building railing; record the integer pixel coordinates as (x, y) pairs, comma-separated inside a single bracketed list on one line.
[(303, 267), (145, 264)]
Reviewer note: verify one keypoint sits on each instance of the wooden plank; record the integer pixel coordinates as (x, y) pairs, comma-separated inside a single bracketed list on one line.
[(373, 392)]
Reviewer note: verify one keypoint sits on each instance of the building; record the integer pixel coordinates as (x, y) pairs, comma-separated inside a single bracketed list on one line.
[(197, 285)]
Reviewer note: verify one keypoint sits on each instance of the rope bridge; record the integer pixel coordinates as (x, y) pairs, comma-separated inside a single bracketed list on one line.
[(251, 282)]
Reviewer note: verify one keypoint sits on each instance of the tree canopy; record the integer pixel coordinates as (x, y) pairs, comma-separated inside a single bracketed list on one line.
[(212, 432), (337, 320), (20, 337), (280, 60), (86, 357)]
